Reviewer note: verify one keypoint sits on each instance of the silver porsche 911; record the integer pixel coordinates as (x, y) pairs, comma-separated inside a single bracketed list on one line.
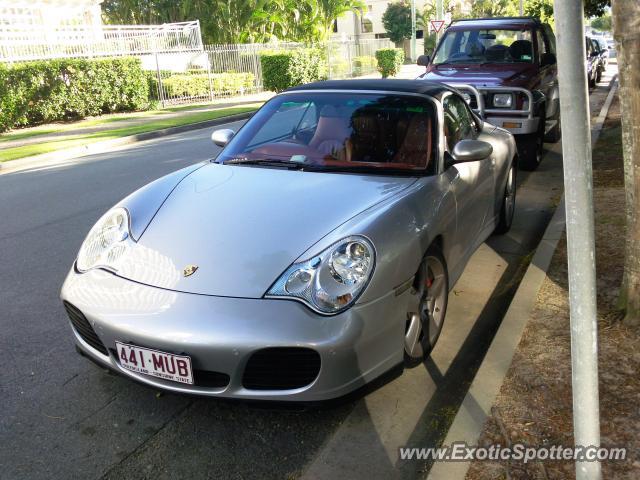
[(314, 254)]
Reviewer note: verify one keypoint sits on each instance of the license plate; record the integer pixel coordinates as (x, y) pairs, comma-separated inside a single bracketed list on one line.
[(176, 368)]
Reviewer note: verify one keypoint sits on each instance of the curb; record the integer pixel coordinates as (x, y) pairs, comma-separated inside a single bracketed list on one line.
[(105, 145), (476, 406)]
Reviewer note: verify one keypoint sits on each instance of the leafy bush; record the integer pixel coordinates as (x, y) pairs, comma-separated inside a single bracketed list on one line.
[(197, 85), (364, 64), (281, 70), (338, 68), (54, 90), (389, 61)]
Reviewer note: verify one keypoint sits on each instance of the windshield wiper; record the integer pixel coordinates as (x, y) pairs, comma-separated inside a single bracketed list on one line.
[(269, 162)]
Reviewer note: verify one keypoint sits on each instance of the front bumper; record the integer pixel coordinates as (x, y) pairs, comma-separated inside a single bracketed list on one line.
[(221, 334), (516, 125), (517, 121)]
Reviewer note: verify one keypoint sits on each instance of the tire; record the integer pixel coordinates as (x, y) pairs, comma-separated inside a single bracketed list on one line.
[(427, 309), (592, 82), (508, 203), (598, 75), (530, 147), (554, 135)]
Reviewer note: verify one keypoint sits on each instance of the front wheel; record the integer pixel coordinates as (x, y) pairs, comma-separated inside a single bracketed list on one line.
[(508, 205), (530, 150), (554, 135), (427, 307)]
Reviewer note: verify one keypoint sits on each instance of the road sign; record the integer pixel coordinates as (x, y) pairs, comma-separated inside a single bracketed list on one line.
[(436, 25)]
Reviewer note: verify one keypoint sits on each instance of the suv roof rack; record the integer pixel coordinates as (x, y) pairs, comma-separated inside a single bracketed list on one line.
[(535, 19)]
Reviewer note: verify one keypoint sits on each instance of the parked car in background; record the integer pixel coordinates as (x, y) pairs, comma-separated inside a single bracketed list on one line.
[(612, 47), (506, 68), (593, 62), (603, 51), (315, 253)]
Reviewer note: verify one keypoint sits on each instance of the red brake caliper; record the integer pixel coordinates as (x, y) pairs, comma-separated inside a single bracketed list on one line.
[(429, 280)]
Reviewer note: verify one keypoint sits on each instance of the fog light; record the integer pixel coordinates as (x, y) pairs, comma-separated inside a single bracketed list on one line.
[(511, 124)]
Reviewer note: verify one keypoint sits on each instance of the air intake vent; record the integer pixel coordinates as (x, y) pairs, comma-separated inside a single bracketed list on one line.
[(281, 368), (84, 328)]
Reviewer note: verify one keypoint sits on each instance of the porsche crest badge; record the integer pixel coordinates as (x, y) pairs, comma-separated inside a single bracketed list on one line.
[(189, 270)]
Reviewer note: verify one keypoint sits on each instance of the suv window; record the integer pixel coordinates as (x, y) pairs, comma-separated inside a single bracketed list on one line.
[(542, 46), (551, 38), (458, 121), (485, 45)]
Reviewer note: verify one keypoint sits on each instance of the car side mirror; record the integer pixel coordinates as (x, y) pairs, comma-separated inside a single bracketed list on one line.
[(423, 60), (471, 151), (548, 59), (222, 137)]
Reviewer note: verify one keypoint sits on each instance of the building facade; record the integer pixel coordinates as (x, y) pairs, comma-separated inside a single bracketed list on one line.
[(369, 24)]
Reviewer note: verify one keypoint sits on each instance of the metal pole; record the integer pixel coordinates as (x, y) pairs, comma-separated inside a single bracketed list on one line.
[(521, 8), (439, 16), (576, 151), (413, 30), (160, 87)]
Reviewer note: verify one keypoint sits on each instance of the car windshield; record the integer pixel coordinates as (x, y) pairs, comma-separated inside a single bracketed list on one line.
[(328, 131), (485, 46)]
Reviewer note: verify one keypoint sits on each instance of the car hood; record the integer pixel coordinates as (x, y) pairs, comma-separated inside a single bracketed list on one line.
[(496, 75), (243, 226)]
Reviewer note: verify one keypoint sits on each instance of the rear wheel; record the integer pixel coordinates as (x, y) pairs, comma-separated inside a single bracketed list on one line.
[(598, 75), (427, 308), (508, 206)]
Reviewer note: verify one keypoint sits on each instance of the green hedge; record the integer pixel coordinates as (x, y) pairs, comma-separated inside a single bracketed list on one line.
[(54, 90), (364, 64), (281, 70), (389, 61), (197, 85)]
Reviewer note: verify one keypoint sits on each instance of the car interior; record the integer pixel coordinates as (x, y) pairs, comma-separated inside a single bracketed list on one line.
[(382, 133)]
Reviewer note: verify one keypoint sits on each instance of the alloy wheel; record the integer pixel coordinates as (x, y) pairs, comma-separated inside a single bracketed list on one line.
[(426, 312)]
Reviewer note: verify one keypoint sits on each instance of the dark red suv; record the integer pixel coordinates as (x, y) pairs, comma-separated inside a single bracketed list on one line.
[(506, 70)]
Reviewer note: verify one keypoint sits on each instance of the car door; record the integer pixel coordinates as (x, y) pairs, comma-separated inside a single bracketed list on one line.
[(548, 72), (472, 183)]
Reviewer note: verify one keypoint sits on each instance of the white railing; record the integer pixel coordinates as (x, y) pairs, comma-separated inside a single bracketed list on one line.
[(105, 40), (235, 69)]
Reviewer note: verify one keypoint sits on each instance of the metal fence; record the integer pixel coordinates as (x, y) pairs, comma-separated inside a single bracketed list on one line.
[(234, 70), (20, 44)]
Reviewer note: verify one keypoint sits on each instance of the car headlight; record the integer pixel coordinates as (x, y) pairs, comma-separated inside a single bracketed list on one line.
[(106, 242), (331, 281), (502, 100)]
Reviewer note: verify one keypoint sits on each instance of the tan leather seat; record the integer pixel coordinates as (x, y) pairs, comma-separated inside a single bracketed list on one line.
[(331, 133), (416, 146), (363, 144)]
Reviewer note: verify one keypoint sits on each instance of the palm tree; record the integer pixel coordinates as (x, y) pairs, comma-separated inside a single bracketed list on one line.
[(331, 10)]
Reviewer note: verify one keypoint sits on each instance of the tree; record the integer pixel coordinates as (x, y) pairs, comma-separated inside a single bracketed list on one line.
[(494, 8), (543, 9), (595, 8), (235, 21), (331, 10), (602, 23), (397, 21), (626, 18)]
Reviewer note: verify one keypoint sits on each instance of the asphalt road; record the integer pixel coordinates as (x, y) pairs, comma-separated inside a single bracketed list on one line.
[(63, 417)]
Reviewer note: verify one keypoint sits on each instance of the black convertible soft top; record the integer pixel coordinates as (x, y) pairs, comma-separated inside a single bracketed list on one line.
[(425, 87)]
